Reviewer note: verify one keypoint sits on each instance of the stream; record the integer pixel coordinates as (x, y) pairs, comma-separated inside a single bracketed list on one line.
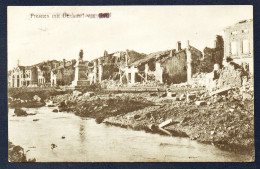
[(83, 140)]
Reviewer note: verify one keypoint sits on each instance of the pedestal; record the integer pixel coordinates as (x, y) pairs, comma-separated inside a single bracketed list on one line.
[(81, 76)]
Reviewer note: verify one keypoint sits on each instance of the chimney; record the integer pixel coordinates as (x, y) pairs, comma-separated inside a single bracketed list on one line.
[(215, 43), (105, 53), (187, 44), (178, 46), (64, 62), (18, 62)]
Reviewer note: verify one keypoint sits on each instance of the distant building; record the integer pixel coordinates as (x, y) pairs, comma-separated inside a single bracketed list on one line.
[(41, 78), (36, 75), (23, 76), (239, 43)]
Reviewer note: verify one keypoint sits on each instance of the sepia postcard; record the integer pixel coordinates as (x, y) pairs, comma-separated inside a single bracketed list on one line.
[(130, 83)]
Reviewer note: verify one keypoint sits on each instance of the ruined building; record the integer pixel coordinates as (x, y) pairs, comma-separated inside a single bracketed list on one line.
[(170, 66), (238, 43), (212, 56), (110, 66), (63, 74), (128, 67)]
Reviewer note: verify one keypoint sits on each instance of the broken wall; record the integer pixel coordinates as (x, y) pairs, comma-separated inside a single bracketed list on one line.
[(175, 68), (196, 56), (212, 56), (109, 71), (68, 75), (232, 75)]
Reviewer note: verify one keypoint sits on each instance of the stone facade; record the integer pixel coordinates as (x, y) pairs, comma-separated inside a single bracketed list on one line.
[(239, 43), (41, 78), (64, 74), (23, 76), (48, 73), (171, 66)]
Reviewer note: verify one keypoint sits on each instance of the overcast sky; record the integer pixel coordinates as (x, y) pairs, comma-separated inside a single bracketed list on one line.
[(141, 28)]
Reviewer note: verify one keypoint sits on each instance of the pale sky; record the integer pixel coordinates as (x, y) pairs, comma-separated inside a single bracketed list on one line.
[(141, 28)]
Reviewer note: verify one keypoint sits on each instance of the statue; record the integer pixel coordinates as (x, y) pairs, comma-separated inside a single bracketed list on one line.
[(81, 76), (81, 55)]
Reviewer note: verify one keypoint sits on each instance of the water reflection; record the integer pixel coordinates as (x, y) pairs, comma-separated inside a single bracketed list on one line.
[(86, 141), (82, 131)]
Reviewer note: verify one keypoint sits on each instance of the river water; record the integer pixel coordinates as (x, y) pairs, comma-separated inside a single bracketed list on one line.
[(87, 141)]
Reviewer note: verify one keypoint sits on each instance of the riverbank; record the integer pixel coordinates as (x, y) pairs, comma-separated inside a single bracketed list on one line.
[(31, 97), (17, 154), (225, 119)]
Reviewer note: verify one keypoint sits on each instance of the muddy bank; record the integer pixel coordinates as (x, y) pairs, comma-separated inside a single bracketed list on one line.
[(225, 119), (31, 97), (29, 93), (98, 106), (17, 154)]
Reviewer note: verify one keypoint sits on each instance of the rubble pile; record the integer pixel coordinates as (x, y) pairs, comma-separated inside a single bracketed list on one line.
[(223, 117), (106, 84), (232, 76), (100, 106), (199, 79)]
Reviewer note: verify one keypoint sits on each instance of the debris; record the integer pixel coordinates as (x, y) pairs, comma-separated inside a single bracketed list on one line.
[(153, 94), (182, 97), (55, 110), (20, 112), (246, 96), (152, 127), (191, 97), (165, 131), (221, 91), (37, 98), (136, 116), (166, 123), (89, 94), (200, 103), (53, 146), (164, 95), (77, 93), (171, 94)]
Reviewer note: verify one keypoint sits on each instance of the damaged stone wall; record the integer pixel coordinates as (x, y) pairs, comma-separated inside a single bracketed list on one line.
[(239, 43), (64, 76), (175, 68), (212, 56), (196, 56)]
